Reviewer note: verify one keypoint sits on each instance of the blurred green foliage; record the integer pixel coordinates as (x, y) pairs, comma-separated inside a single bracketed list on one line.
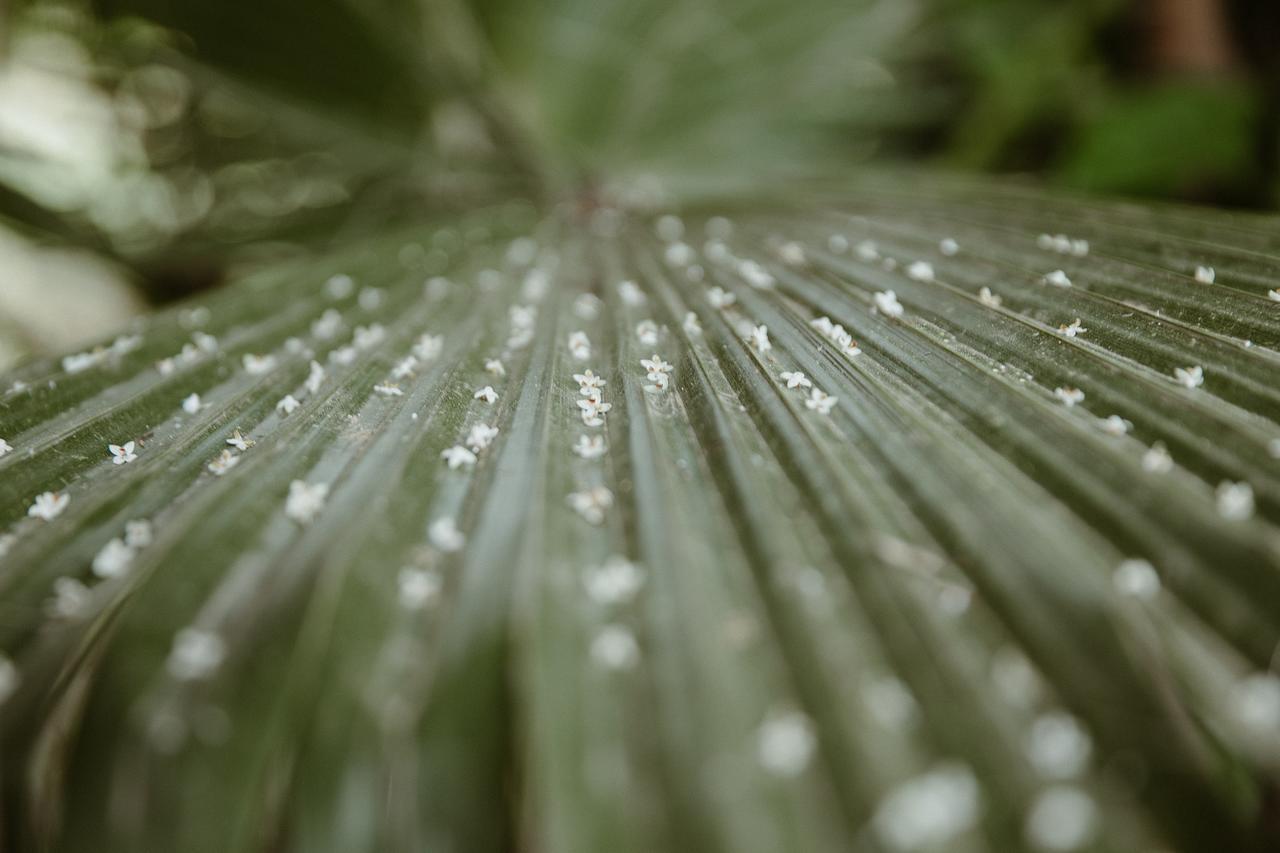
[(289, 123), (1179, 139)]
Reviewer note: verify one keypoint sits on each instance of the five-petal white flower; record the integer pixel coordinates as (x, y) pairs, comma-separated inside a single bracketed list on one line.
[(122, 453), (48, 505), (590, 446), (458, 456), (795, 379)]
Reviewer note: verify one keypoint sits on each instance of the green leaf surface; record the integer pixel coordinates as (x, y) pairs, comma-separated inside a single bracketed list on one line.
[(952, 604)]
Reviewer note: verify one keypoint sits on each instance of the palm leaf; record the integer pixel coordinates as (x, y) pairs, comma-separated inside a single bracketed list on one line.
[(944, 608)]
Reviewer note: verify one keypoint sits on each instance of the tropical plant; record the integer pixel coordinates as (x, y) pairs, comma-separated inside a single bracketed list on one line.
[(617, 468)]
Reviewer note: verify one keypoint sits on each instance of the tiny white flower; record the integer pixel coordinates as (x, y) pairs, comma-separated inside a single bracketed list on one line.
[(1255, 701), (436, 288), (255, 365), (591, 503), (535, 285), (427, 347), (81, 361), (370, 298), (837, 244), (522, 316), (759, 338), (1058, 746), (240, 442), (487, 394), (658, 382), (1190, 377), (305, 500), (481, 436), (1235, 501), (1072, 329), (920, 271), (138, 534), (48, 505), (1205, 275), (755, 275), (691, 324), (719, 227), (1138, 578), (647, 332), (1070, 396), (720, 298), (388, 389), (614, 583), (592, 410), (328, 326), (1156, 460), (5, 447), (792, 253), (405, 367), (822, 324), (588, 382), (928, 811), (989, 299), (590, 446), (579, 346), (1062, 817), (191, 404), (1274, 294), (655, 365), (1115, 425), (615, 648), (222, 463), (113, 559), (126, 344), (1080, 248), (948, 247), (196, 654), (367, 337), (630, 293), (458, 456), (205, 341), (795, 379), (679, 255), (821, 402), (785, 744), (344, 355), (887, 302), (288, 405), (867, 251), (70, 598), (418, 588), (314, 378), (122, 453), (587, 306), (841, 338), (445, 535), (340, 286), (495, 367), (1057, 278)]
